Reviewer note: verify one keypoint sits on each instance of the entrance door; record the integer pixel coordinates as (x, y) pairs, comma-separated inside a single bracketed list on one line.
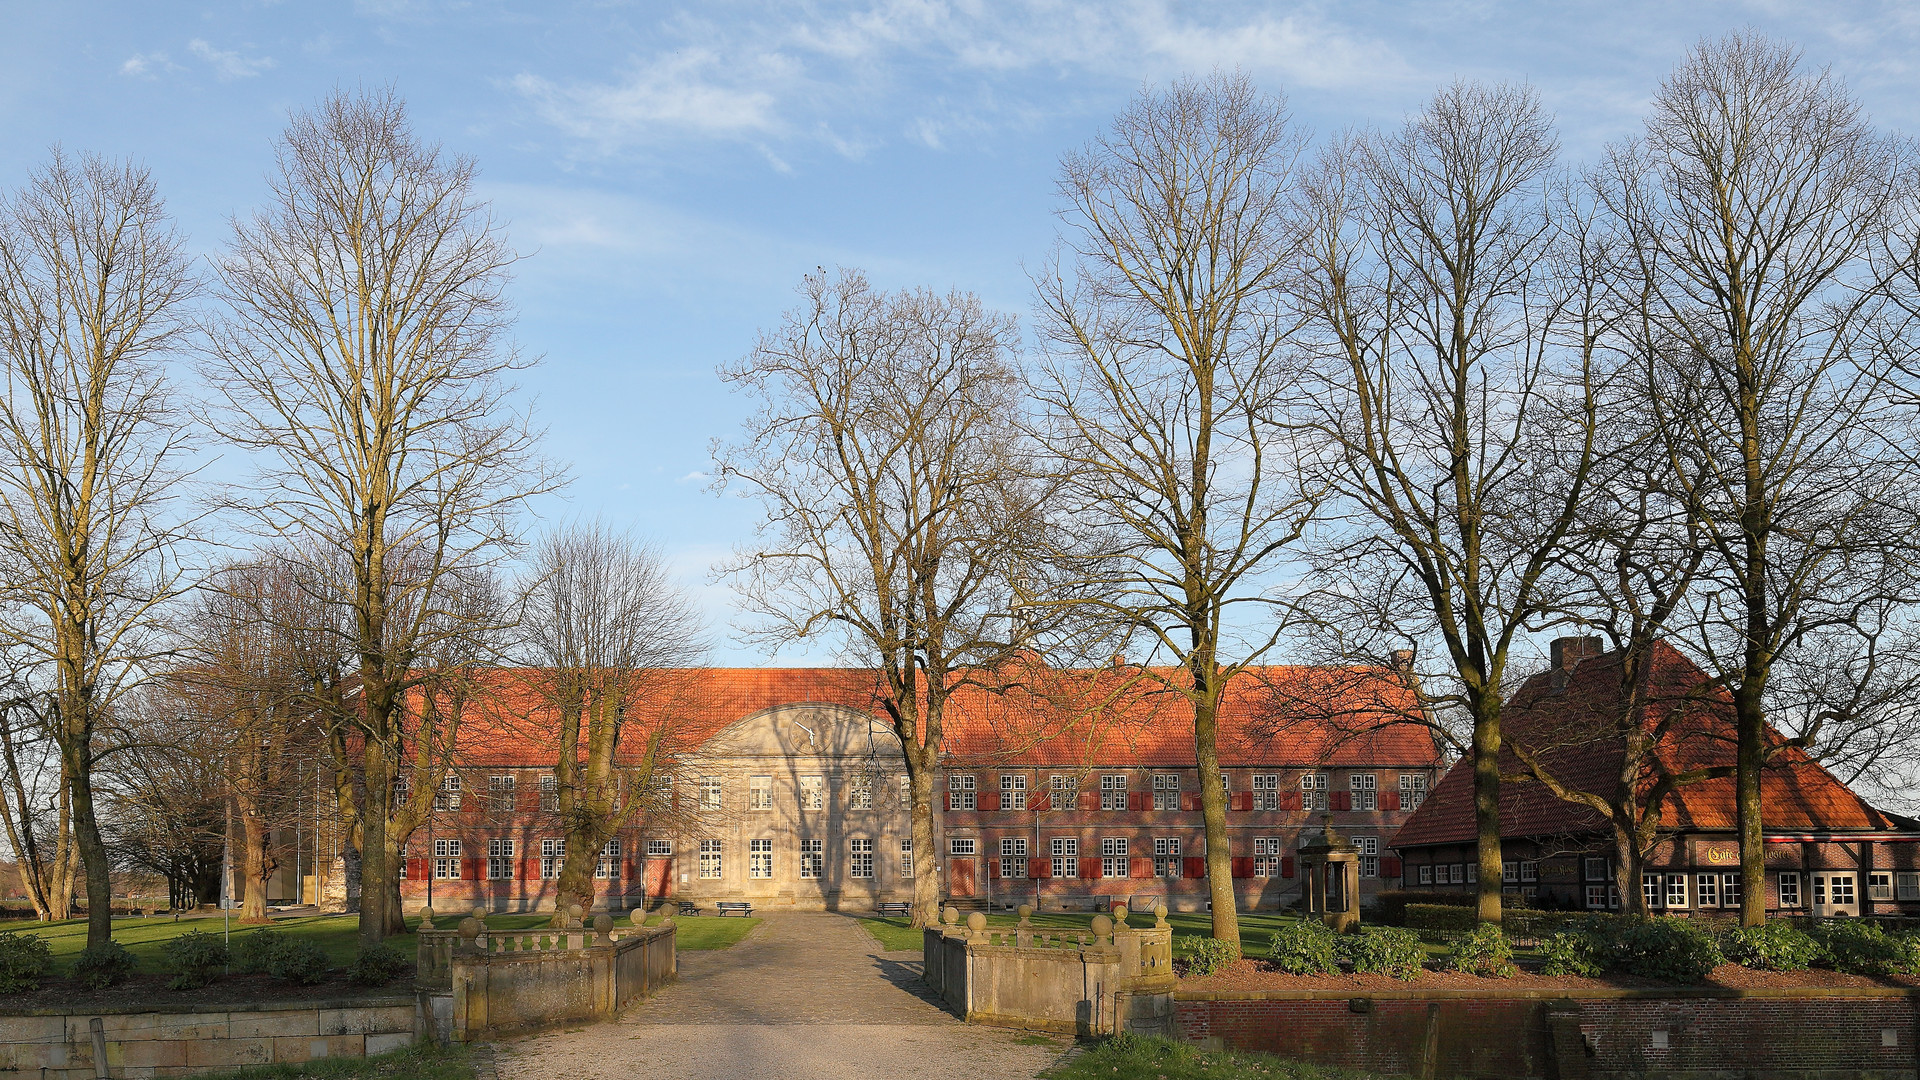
[(1834, 894), (960, 878)]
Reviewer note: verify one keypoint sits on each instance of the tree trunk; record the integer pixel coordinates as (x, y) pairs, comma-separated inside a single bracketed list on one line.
[(93, 851), (256, 859), (1486, 810), (1627, 871), (375, 871), (926, 862), (1213, 808), (1750, 759)]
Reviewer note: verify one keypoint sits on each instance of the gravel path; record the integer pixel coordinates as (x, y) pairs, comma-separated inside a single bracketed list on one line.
[(803, 996)]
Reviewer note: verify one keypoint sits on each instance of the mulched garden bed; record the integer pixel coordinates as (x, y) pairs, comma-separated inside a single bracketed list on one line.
[(1245, 975), (150, 991)]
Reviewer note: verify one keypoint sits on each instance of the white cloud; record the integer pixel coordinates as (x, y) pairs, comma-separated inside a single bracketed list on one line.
[(692, 476), (147, 65), (694, 91), (228, 64)]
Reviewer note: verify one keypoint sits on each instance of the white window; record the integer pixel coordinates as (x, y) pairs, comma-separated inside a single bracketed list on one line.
[(1113, 856), (709, 858), (1166, 856), (1366, 790), (1842, 885), (1730, 890), (1065, 851), (1369, 848), (1266, 791), (709, 793), (1676, 890), (1510, 870), (759, 792), (499, 858), (550, 793), (448, 797), (961, 794), (1706, 890), (1065, 793), (906, 790), (553, 855), (860, 794), (1789, 890), (1166, 791), (402, 787), (812, 793), (1879, 886), (1462, 872), (607, 865), (1413, 790), (1597, 897), (1266, 856), (813, 858), (1013, 856), (1650, 886), (1906, 886), (760, 858), (500, 793), (962, 845), (1013, 791), (446, 860), (1426, 875), (1313, 791), (859, 857), (1593, 869), (1113, 793), (906, 858), (659, 849), (1529, 870), (1473, 873)]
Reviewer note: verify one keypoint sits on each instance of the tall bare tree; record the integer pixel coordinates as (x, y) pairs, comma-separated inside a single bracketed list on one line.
[(1454, 304), (363, 360), (885, 455), (1769, 221), (1167, 389), (36, 801), (611, 639), (93, 283)]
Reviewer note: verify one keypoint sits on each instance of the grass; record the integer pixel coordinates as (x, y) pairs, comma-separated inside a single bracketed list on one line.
[(421, 1062), (337, 935), (1134, 1058)]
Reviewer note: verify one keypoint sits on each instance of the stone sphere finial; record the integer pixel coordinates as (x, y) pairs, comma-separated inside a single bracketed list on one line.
[(1120, 913), (950, 915), (1160, 915), (470, 928), (480, 912), (602, 923), (638, 916), (976, 923), (574, 913), (1102, 928), (1026, 912), (426, 918)]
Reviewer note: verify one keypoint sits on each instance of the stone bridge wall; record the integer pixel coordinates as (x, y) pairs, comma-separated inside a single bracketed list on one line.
[(1113, 978)]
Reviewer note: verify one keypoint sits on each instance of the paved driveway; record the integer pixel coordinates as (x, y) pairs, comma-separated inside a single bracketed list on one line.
[(803, 996)]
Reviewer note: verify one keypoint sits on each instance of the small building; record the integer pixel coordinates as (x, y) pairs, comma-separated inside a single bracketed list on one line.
[(1828, 852)]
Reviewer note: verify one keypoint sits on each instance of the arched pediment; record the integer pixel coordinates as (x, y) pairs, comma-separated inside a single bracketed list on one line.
[(803, 730)]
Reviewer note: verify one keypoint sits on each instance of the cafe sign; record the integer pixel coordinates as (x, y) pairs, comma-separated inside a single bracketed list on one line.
[(1716, 853)]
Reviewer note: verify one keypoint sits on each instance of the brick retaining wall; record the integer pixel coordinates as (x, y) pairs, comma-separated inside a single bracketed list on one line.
[(1573, 1035)]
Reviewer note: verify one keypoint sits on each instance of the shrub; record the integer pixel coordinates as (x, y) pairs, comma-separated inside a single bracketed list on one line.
[(250, 950), (1303, 947), (1439, 917), (196, 958), (24, 961), (1774, 945), (1858, 947), (1583, 952), (1205, 956), (101, 966), (378, 966), (1673, 949), (1385, 950), (1484, 951), (297, 960)]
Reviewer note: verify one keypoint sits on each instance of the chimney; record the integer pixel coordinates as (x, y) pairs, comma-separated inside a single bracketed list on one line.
[(1402, 660), (1569, 651)]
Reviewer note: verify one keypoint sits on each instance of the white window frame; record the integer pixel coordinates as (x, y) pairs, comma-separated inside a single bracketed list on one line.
[(1166, 791), (1880, 885), (1065, 853), (1366, 790), (1369, 847), (860, 793), (1426, 874), (1510, 871), (1788, 889), (499, 858), (1063, 793), (963, 846), (1013, 791), (448, 797), (1313, 791), (1706, 890), (712, 860), (1906, 885), (860, 857), (1594, 869), (549, 793), (1013, 856), (760, 792), (813, 859), (1730, 890), (813, 793), (446, 860), (1114, 857), (760, 858), (961, 792), (660, 849), (1267, 852), (500, 793), (1651, 890), (1266, 791), (906, 857), (1413, 790), (1677, 892), (906, 790), (1529, 870), (712, 793), (1113, 792), (606, 865), (1166, 856), (553, 856)]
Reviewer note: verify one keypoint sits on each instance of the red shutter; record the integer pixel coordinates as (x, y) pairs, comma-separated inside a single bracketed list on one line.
[(530, 869), (1089, 868), (1242, 867), (1089, 800), (419, 869), (1289, 800), (1142, 866), (1240, 800), (1196, 867), (1389, 800), (1139, 800), (1039, 869), (993, 868), (989, 800), (1189, 801), (473, 869), (1286, 866), (1039, 801), (1340, 800)]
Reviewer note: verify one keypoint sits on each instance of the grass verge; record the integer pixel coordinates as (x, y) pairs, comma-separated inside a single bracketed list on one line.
[(1133, 1058), (423, 1062), (701, 932)]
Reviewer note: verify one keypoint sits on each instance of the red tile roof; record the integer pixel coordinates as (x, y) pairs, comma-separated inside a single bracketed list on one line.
[(1567, 722), (1279, 716)]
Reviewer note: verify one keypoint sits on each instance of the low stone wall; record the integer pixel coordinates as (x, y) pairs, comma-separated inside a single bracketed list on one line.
[(1114, 978), (190, 1040), (478, 983), (1680, 1034)]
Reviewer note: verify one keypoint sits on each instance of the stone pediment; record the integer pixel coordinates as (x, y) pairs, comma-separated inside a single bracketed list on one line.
[(805, 730)]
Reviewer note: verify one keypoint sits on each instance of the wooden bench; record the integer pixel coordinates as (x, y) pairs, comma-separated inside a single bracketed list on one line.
[(741, 908), (688, 907), (894, 907)]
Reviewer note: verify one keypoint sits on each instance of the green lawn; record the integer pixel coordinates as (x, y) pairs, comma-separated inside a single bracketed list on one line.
[(337, 934), (422, 1062), (1132, 1058), (1255, 927)]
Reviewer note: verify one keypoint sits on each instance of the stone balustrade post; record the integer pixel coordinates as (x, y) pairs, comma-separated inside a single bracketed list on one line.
[(1023, 931)]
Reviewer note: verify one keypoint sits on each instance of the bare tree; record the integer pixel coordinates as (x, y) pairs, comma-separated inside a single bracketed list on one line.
[(1766, 215), (885, 455), (35, 801), (166, 792), (93, 279), (1167, 389), (1453, 300), (363, 361), (611, 639)]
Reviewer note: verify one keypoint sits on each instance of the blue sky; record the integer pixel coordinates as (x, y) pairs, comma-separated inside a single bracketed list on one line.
[(672, 169)]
